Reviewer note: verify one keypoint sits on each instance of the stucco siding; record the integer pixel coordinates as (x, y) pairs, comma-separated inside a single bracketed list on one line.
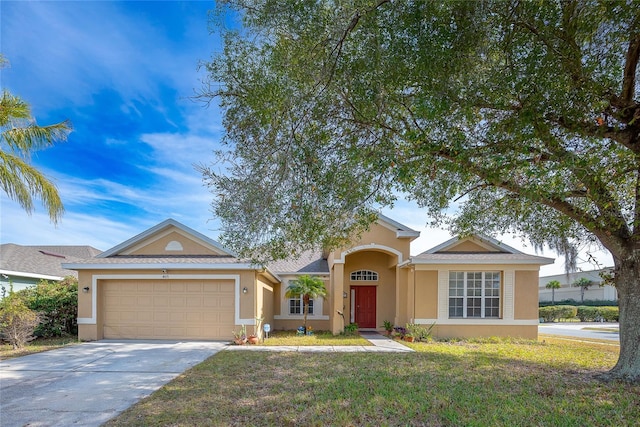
[(426, 294), (377, 235), (526, 295)]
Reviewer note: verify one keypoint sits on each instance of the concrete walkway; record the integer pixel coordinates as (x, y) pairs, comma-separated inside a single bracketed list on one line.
[(381, 344)]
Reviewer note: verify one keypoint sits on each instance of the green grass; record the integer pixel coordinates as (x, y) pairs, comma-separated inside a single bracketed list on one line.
[(36, 346), (442, 384), (289, 338)]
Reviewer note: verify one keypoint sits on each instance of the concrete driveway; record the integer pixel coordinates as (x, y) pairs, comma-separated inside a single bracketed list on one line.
[(90, 383)]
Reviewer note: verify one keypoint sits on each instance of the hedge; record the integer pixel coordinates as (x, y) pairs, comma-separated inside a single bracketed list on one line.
[(583, 312), (555, 312)]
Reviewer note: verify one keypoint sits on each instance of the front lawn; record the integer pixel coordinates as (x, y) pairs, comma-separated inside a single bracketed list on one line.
[(443, 384)]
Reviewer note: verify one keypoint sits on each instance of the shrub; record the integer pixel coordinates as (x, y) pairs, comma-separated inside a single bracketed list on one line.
[(419, 332), (588, 314), (351, 329), (555, 312), (567, 311), (548, 314), (17, 321), (610, 314), (57, 304), (590, 303)]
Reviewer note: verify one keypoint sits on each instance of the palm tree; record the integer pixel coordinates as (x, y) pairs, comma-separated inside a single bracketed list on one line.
[(583, 283), (19, 136), (553, 285), (307, 287)]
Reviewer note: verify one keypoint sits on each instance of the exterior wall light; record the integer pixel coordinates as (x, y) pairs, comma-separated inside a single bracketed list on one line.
[(245, 290), (85, 289)]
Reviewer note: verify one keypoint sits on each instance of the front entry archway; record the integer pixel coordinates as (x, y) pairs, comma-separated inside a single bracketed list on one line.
[(364, 306)]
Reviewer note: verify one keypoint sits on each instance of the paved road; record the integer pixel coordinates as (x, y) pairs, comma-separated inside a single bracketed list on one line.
[(582, 330), (90, 383)]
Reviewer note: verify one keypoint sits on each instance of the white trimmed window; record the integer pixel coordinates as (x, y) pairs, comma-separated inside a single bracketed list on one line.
[(364, 276), (474, 294), (296, 306)]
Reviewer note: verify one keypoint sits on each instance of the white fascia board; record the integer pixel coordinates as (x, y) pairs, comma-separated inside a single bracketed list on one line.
[(175, 266), (407, 234), (30, 275), (268, 272)]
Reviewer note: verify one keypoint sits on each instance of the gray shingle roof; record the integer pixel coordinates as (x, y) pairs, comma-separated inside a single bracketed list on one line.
[(308, 262), (43, 260)]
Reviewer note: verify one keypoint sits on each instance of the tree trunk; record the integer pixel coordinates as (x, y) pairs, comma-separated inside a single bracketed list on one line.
[(627, 280), (553, 296), (305, 310)]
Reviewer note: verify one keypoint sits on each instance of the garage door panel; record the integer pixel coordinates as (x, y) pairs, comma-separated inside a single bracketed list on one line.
[(168, 309)]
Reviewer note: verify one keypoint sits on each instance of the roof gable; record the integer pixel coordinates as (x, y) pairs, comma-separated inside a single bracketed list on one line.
[(472, 244), (476, 250), (401, 230), (168, 238)]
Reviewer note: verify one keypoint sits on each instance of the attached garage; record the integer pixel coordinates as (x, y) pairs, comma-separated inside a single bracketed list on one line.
[(170, 282), (167, 309)]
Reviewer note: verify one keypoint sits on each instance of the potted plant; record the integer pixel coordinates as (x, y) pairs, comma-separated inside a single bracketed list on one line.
[(408, 337), (400, 332), (388, 326), (240, 337), (255, 337)]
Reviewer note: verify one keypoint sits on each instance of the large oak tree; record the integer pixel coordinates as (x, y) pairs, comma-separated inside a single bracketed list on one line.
[(525, 114)]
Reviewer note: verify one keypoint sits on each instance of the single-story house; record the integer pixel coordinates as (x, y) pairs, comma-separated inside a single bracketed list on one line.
[(597, 291), (23, 266), (172, 282)]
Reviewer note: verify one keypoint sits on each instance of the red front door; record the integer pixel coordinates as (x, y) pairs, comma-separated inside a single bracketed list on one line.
[(365, 307)]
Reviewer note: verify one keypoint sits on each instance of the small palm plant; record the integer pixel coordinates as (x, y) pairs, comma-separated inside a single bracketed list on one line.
[(553, 285), (307, 287)]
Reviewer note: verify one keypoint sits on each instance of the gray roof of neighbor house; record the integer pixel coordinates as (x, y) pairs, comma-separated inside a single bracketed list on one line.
[(43, 262), (308, 262)]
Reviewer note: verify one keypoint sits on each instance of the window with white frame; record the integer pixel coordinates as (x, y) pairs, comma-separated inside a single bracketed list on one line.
[(296, 306), (364, 275), (474, 294)]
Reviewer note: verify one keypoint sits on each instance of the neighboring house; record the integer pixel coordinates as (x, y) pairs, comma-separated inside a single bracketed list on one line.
[(569, 291), (25, 266), (171, 282)]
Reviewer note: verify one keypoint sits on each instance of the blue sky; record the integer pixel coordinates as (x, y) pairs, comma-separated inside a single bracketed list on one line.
[(124, 73)]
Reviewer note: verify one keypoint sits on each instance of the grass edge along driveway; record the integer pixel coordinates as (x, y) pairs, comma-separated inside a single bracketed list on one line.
[(443, 384)]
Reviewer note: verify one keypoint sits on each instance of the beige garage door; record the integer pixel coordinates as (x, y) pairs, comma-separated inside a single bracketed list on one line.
[(168, 309)]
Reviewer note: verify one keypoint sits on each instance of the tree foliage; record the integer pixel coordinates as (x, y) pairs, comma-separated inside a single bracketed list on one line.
[(17, 321), (20, 135), (553, 285), (494, 116), (57, 305)]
